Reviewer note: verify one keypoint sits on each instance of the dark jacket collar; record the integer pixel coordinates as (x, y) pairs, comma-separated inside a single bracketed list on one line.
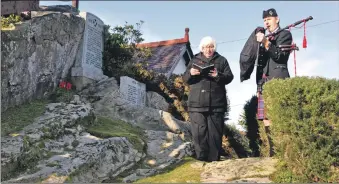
[(201, 56)]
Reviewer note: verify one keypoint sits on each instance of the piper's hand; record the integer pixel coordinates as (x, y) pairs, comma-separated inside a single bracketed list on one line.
[(194, 71), (260, 37), (213, 73)]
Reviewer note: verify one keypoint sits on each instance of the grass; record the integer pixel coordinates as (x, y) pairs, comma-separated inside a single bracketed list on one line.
[(180, 173), (106, 128), (16, 118)]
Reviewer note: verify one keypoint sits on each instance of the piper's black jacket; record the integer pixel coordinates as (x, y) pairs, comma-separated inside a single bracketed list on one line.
[(207, 93), (272, 62)]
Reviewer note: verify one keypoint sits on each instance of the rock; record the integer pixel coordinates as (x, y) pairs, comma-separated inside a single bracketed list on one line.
[(94, 160), (145, 118), (76, 100), (57, 148), (100, 89), (37, 55), (198, 165), (238, 170), (111, 104), (139, 174), (252, 180), (59, 8), (21, 149), (80, 82), (165, 148), (64, 150), (156, 101)]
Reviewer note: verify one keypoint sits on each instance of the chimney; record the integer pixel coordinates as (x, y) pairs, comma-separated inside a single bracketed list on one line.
[(75, 4), (187, 37)]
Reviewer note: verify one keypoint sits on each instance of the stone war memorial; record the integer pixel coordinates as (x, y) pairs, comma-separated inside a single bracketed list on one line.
[(133, 91), (88, 65)]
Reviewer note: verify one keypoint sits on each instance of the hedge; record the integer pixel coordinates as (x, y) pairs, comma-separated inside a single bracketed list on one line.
[(305, 127), (248, 120)]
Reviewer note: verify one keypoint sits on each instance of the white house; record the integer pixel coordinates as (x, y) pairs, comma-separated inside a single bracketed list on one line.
[(169, 56)]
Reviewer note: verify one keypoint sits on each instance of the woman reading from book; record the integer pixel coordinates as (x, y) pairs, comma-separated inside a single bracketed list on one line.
[(207, 74)]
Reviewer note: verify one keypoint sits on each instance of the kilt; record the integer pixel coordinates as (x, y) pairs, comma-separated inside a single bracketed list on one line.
[(261, 104), (261, 107)]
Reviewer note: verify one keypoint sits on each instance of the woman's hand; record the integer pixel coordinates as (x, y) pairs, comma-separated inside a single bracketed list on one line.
[(213, 73), (194, 71)]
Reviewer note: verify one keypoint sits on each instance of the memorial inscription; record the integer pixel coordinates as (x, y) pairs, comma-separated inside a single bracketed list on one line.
[(93, 41), (133, 91), (88, 65), (89, 59)]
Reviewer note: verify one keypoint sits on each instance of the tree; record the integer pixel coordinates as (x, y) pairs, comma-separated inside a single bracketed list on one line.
[(120, 47)]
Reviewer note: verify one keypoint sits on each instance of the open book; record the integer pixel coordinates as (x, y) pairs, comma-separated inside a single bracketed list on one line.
[(203, 69)]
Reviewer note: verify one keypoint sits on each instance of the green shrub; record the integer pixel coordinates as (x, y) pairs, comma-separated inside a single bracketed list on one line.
[(249, 121), (235, 143), (8, 22), (305, 120), (61, 95), (120, 48), (266, 148)]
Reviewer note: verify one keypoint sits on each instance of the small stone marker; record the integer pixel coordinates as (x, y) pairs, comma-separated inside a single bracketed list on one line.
[(133, 91)]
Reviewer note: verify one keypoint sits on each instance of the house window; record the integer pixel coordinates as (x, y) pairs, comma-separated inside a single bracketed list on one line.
[(187, 57)]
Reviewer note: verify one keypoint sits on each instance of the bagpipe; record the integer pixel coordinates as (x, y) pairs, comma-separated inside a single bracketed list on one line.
[(293, 47), (249, 56)]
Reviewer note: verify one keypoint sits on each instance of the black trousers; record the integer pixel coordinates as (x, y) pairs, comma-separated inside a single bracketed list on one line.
[(207, 131)]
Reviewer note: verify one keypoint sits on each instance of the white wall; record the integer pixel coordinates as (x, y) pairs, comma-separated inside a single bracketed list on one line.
[(180, 68)]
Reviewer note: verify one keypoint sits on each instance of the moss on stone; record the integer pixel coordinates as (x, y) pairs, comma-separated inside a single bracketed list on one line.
[(106, 128), (16, 118)]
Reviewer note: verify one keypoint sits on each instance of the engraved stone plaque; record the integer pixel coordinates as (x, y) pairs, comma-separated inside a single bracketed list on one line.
[(89, 61), (133, 91)]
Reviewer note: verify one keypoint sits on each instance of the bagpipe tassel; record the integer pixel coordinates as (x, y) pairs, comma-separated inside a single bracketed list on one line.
[(294, 55), (295, 64), (304, 40)]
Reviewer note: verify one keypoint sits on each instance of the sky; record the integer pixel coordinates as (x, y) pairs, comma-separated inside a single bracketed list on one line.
[(230, 21)]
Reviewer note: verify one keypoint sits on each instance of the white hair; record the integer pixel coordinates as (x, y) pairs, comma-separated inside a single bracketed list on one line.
[(207, 40)]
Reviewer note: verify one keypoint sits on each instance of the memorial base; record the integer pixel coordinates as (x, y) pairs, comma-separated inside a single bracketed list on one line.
[(82, 77), (81, 82)]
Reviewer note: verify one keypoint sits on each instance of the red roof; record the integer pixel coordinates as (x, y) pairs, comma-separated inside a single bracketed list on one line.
[(167, 53)]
